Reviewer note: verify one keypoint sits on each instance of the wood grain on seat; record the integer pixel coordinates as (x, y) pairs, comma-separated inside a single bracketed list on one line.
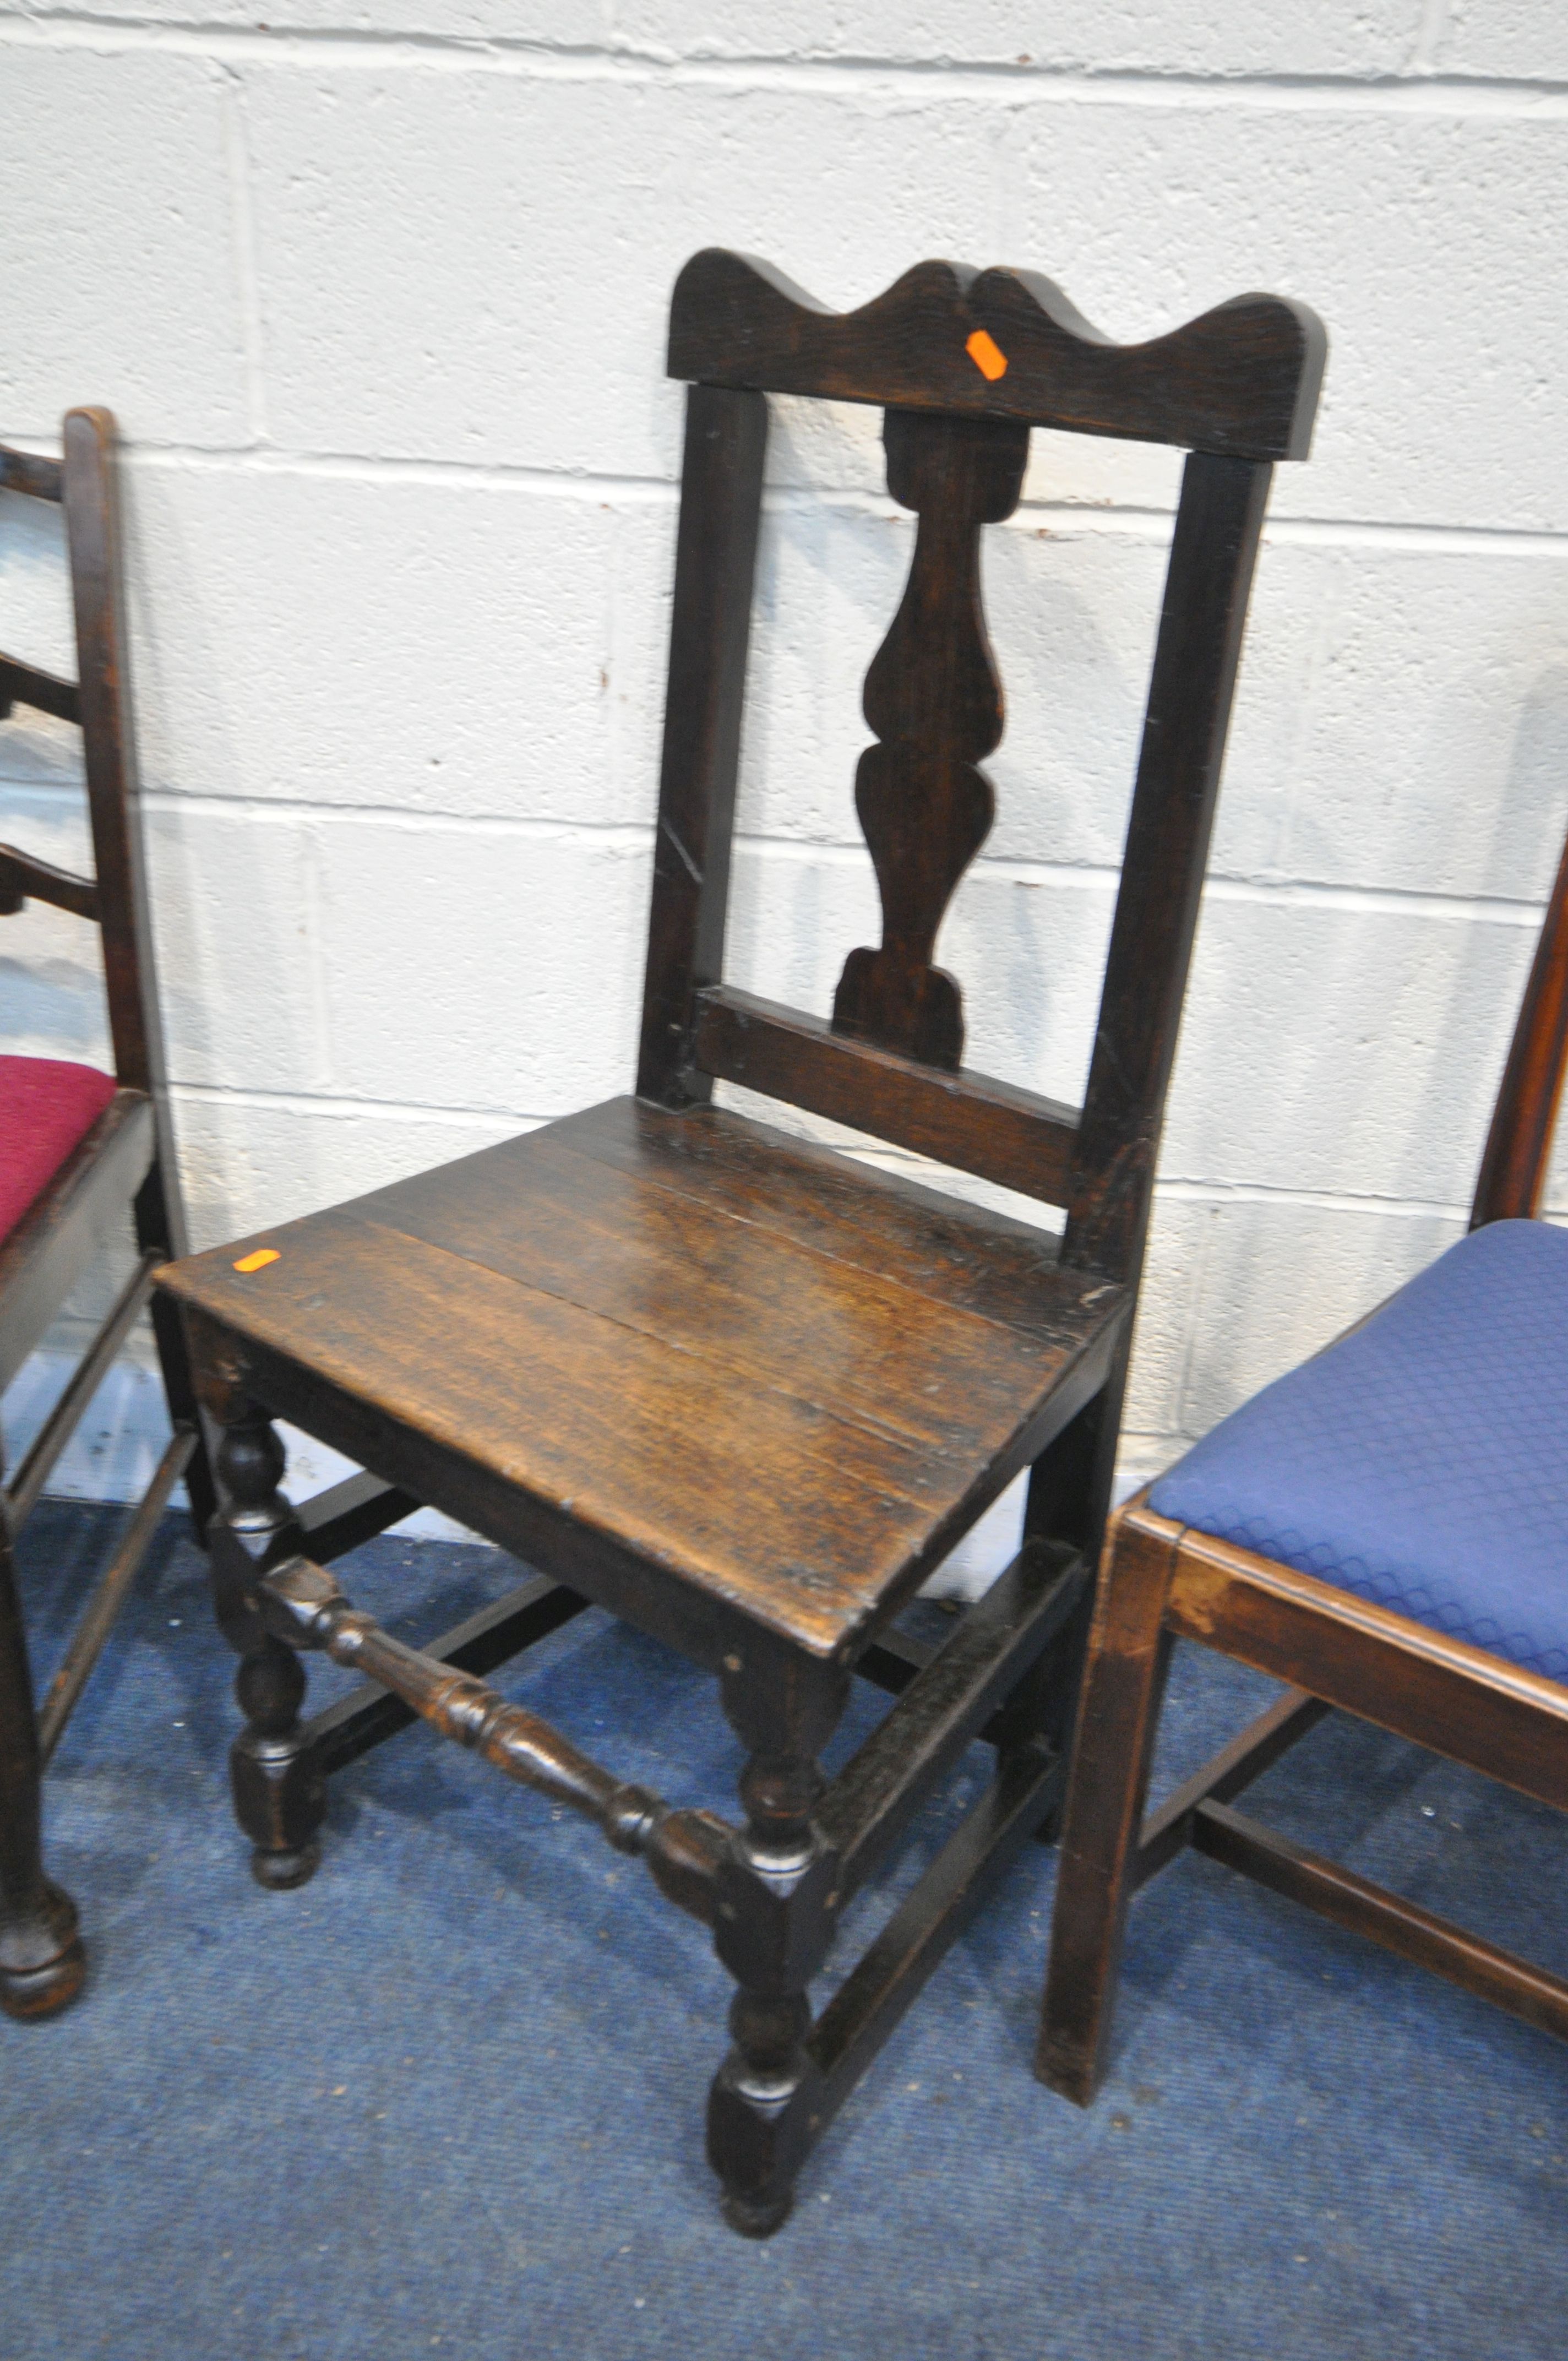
[(774, 1374)]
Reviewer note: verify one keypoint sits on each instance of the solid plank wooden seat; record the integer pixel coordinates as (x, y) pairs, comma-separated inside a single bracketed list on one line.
[(1384, 1528), (85, 1157), (671, 1339), (744, 1392)]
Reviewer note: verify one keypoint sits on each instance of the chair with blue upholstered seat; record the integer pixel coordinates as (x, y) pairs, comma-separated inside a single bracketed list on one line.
[(1385, 1529)]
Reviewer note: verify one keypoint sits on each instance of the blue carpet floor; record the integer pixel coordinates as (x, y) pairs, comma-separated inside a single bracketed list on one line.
[(447, 2099)]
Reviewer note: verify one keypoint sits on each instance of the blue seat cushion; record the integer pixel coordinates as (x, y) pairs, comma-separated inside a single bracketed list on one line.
[(1422, 1461)]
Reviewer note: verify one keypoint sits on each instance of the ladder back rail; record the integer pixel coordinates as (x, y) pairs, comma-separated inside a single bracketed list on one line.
[(24, 878), (25, 471), (27, 684)]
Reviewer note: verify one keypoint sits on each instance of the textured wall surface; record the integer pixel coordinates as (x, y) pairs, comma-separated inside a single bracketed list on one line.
[(377, 289)]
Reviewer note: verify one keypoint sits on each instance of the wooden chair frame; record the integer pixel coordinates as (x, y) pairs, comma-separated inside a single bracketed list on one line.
[(124, 1163), (963, 365), (1161, 1581)]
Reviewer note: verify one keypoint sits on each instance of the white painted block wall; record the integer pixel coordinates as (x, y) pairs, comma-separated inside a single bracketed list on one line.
[(377, 289)]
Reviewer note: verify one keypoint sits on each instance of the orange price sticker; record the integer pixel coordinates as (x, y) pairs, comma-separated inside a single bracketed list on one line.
[(987, 355), (259, 1260)]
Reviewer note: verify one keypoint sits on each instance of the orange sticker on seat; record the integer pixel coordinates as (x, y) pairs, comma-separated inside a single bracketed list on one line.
[(259, 1260), (987, 355)]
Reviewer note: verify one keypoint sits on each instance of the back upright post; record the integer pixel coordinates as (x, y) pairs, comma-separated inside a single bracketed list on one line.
[(92, 525), (1212, 553), (1208, 584), (1513, 1167), (716, 553)]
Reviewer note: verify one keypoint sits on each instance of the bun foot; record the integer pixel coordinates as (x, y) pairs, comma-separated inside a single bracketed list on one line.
[(279, 1872), (42, 1963), (756, 2218)]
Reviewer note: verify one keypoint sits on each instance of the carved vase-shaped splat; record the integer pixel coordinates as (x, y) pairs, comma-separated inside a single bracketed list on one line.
[(933, 698)]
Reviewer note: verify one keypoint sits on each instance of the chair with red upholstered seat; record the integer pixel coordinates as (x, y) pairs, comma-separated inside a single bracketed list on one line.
[(79, 1151)]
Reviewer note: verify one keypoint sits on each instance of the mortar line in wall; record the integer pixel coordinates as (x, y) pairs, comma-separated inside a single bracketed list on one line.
[(1173, 1189), (1398, 91), (1178, 1190), (1281, 528), (1086, 515), (607, 836), (1092, 877), (339, 1106), (1276, 892)]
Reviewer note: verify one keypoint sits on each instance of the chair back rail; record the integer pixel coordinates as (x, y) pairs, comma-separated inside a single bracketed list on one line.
[(25, 471), (92, 529), (1243, 378), (1512, 1177), (24, 878), (964, 363), (29, 686)]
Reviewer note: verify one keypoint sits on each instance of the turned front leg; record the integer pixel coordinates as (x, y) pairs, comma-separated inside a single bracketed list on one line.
[(42, 1958), (777, 1909), (280, 1797)]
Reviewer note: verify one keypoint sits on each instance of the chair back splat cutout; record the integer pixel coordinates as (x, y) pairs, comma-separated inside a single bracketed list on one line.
[(963, 364)]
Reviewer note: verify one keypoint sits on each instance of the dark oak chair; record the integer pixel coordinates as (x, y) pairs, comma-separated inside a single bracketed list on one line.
[(1384, 1529), (744, 1392), (81, 1152)]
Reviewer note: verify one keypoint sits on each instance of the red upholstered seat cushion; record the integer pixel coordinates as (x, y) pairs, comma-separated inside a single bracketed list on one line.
[(46, 1106)]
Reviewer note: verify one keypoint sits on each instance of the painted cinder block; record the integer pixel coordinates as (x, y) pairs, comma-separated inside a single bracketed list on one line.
[(327, 638), (1337, 1048), (1401, 724), (1513, 40), (512, 352), (481, 967), (252, 1161), (1222, 37), (1402, 720), (1240, 1289), (1280, 1280), (236, 925), (119, 259), (514, 242), (1437, 406)]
